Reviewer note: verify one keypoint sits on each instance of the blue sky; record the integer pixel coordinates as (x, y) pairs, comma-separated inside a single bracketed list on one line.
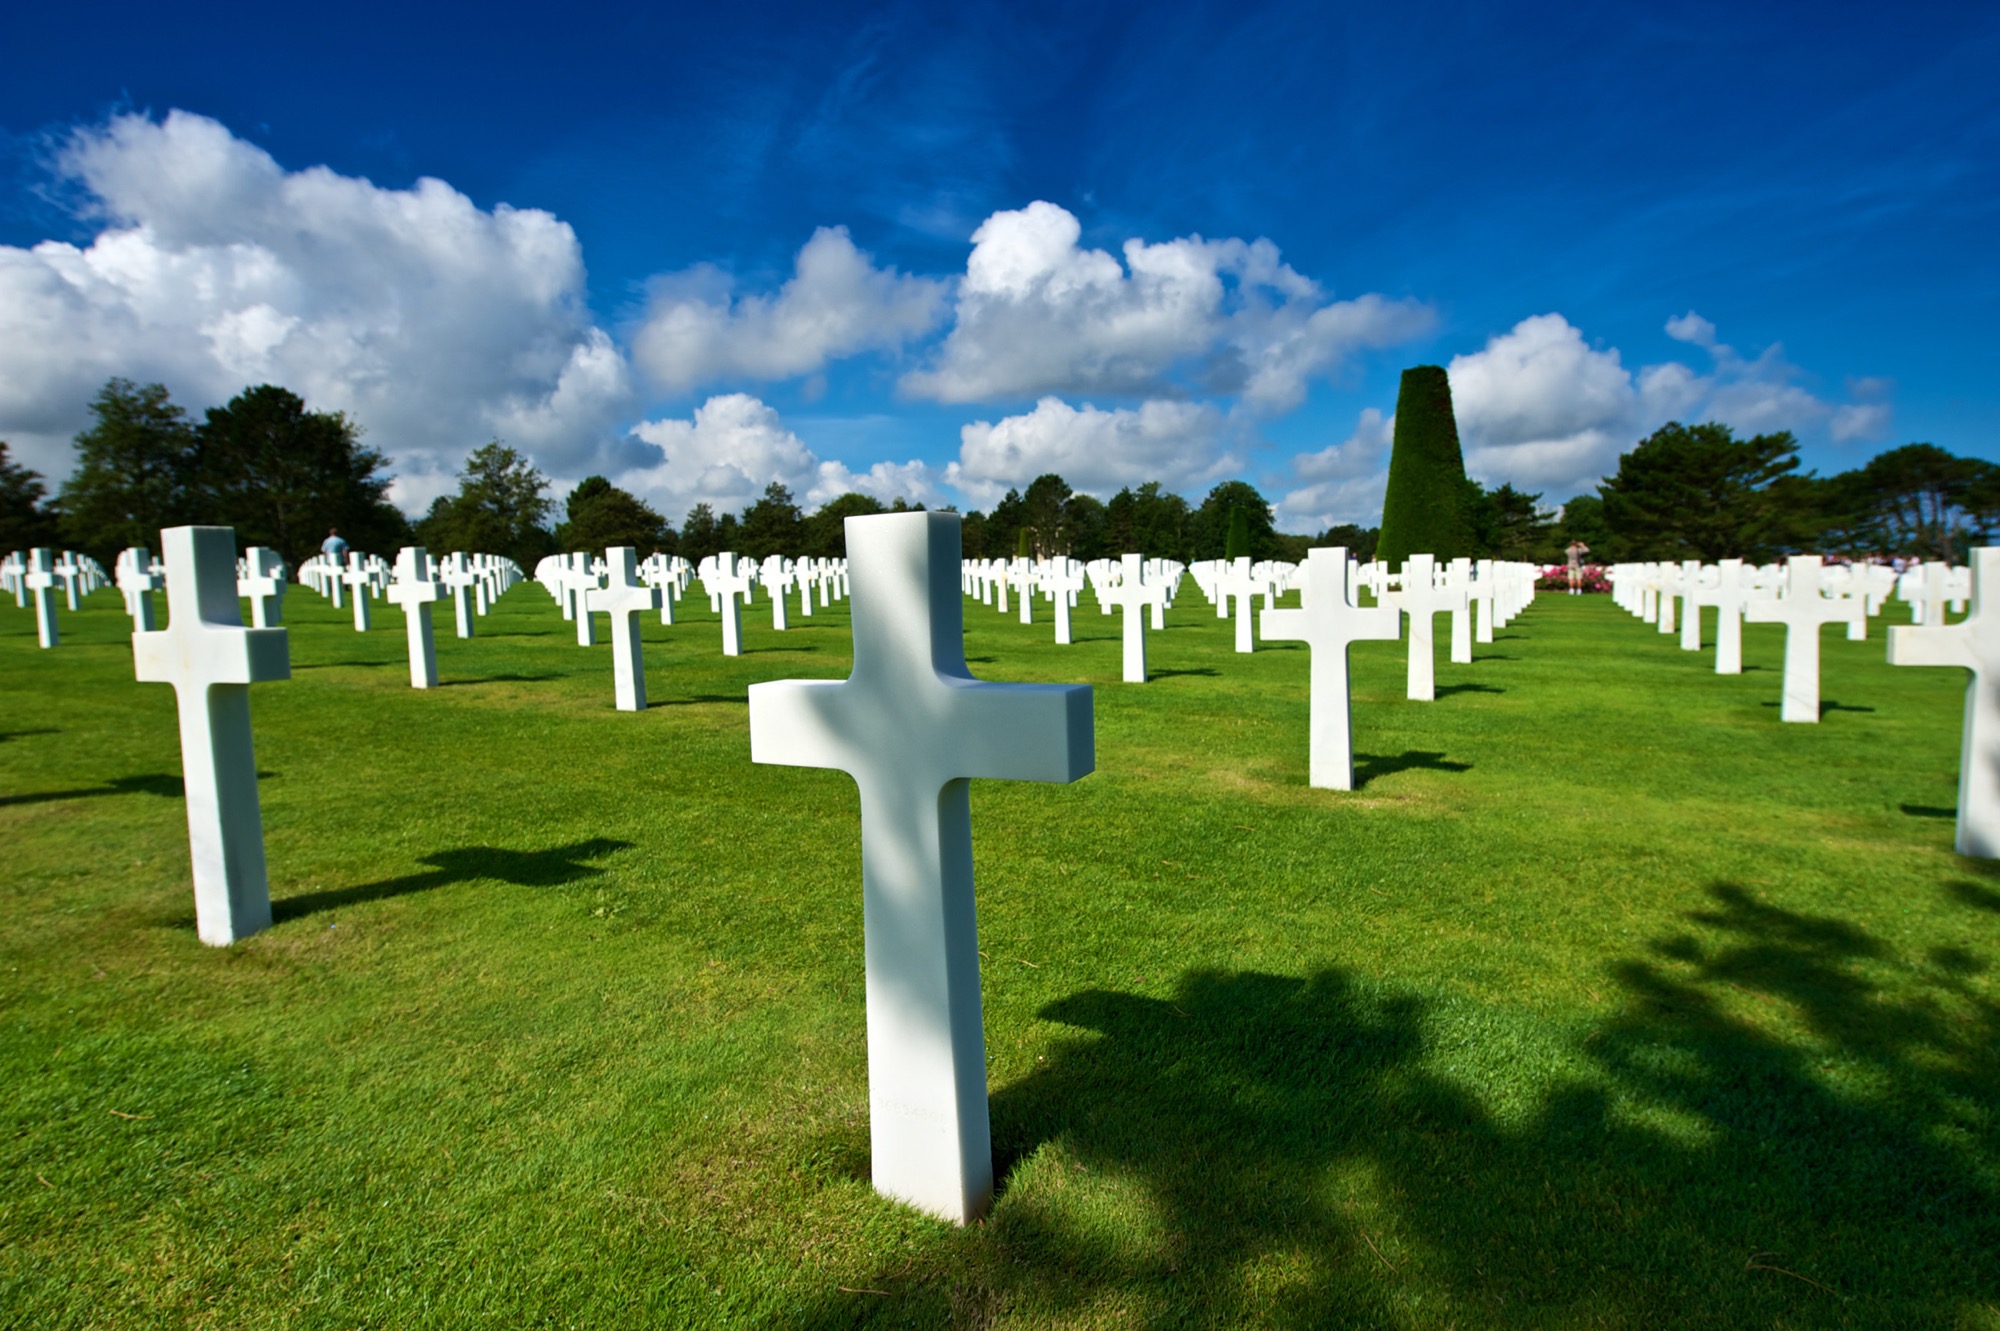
[(700, 250)]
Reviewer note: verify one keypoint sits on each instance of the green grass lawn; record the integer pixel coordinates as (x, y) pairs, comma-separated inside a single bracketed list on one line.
[(1606, 1000)]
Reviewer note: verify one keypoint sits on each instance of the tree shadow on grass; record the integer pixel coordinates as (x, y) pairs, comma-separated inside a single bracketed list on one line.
[(522, 868), (1757, 1133), (1369, 766)]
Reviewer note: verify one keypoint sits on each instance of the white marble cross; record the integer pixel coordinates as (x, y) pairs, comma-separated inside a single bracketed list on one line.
[(414, 590), (1974, 643), (1802, 611), (70, 570), (1327, 621), (40, 580), (733, 578), (1064, 580), (139, 576), (1133, 596), (1235, 582), (1485, 591), (1458, 575), (358, 577), (1420, 598), (777, 574), (1727, 594), (1692, 589), (622, 598), (263, 582), (212, 660), (911, 726), (579, 581), (466, 584)]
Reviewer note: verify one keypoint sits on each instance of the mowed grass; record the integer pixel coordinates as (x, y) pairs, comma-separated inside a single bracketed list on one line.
[(1606, 999)]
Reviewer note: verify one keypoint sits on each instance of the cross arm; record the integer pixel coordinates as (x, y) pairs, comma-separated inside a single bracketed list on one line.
[(1939, 645), (211, 656)]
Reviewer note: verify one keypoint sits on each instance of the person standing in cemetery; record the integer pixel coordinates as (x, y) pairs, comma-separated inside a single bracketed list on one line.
[(334, 547), (1576, 550)]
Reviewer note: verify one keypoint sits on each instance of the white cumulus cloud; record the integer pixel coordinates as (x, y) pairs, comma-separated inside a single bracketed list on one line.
[(434, 323), (698, 331), (1344, 482), (1037, 314), (1180, 444), (735, 445)]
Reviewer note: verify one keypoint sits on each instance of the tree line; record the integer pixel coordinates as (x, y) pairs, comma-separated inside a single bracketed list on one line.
[(284, 476)]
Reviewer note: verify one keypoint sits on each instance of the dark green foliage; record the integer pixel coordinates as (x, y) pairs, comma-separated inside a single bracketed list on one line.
[(824, 535), (1358, 541), (25, 521), (132, 470), (771, 526), (1024, 546), (601, 515), (1583, 520), (1237, 544), (1084, 523), (1507, 524), (703, 534), (1209, 527), (972, 534), (500, 508), (1045, 516), (283, 476), (1148, 522), (1003, 525), (1698, 492), (1915, 500), (1423, 508)]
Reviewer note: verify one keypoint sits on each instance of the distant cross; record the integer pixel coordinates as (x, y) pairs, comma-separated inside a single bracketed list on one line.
[(263, 583), (414, 590), (1024, 580), (212, 660), (1065, 580), (1235, 582), (40, 580), (70, 570), (465, 583), (911, 726), (1132, 596), (1486, 593), (358, 577), (1974, 643), (14, 576), (1328, 621), (139, 576), (1727, 594), (1802, 611), (1691, 588), (732, 579), (1421, 598), (622, 598), (1458, 574), (579, 581), (805, 573), (776, 575)]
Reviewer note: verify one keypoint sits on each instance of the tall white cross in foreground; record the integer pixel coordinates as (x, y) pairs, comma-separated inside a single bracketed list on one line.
[(911, 725), (1974, 643), (414, 589), (623, 597), (212, 660), (1802, 611), (1327, 621)]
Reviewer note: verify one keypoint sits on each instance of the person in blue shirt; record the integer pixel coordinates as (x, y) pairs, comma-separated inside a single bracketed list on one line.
[(333, 547)]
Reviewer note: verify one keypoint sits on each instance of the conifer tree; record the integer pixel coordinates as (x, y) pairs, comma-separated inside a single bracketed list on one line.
[(1423, 509)]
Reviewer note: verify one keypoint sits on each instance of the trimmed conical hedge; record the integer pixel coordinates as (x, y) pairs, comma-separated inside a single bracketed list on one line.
[(1423, 510), (1237, 543)]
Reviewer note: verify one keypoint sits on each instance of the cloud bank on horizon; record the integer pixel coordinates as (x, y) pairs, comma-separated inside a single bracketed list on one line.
[(437, 325)]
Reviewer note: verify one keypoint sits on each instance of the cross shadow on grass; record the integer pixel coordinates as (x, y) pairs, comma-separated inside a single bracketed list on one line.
[(6, 735), (164, 784), (1447, 690), (1369, 766), (522, 868), (502, 679), (1757, 1132), (1203, 671), (1927, 811)]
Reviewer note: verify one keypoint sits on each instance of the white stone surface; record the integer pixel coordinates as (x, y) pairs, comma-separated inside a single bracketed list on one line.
[(624, 598), (357, 578), (729, 579), (139, 575), (1420, 598), (1802, 610), (1328, 621), (1133, 596), (40, 580), (911, 726), (262, 581), (212, 660), (579, 581), (415, 589), (1974, 644)]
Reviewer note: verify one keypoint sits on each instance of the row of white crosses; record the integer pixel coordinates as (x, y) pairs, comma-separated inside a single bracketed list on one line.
[(36, 574), (1802, 594)]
